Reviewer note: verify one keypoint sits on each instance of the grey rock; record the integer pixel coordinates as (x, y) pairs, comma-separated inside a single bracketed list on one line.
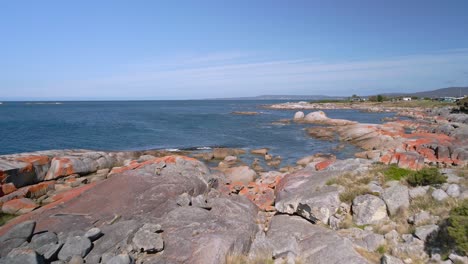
[(422, 232), (368, 209), (200, 201), (415, 248), (183, 199), (392, 237), (311, 243), (116, 236), (458, 259), (50, 251), (366, 239), (388, 259), (76, 260), (23, 256), (375, 187), (418, 191), (16, 236), (42, 239), (195, 235), (120, 259), (422, 217), (439, 195), (93, 234), (147, 240), (396, 197), (453, 190), (242, 174), (305, 193), (299, 115), (75, 246)]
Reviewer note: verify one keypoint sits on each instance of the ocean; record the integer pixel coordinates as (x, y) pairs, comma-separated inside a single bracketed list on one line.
[(143, 125)]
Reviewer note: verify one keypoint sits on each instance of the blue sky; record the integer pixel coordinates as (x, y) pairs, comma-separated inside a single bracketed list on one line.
[(201, 49)]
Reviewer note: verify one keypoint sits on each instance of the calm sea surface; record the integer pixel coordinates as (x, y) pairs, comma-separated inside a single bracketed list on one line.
[(138, 125)]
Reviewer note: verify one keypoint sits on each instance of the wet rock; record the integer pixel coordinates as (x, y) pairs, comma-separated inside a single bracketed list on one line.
[(439, 195), (323, 133), (75, 246), (147, 240), (240, 174), (221, 153), (453, 190), (396, 197), (93, 234), (368, 209), (423, 232), (261, 151)]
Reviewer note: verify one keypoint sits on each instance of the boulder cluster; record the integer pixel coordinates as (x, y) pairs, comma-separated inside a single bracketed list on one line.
[(79, 206)]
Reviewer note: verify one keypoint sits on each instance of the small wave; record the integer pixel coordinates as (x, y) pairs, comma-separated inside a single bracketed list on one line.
[(203, 148), (172, 149)]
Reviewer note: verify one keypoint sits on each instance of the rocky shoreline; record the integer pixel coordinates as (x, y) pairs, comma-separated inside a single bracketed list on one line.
[(81, 206)]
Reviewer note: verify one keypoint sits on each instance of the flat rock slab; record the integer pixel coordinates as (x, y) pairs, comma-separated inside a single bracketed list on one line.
[(145, 192), (308, 242)]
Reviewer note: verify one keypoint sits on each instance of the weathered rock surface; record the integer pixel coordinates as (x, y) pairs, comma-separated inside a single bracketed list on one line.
[(293, 235), (368, 209), (439, 195), (305, 193), (396, 197), (241, 174), (75, 246), (16, 236)]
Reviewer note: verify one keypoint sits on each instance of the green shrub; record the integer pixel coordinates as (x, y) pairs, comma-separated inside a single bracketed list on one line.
[(425, 176), (458, 226), (394, 173)]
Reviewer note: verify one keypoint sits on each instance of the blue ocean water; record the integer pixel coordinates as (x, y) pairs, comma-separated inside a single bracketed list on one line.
[(140, 125)]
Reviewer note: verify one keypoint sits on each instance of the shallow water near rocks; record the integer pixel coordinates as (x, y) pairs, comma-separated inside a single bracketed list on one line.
[(140, 125)]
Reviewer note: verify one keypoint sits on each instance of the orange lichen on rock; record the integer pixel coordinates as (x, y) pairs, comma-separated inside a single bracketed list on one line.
[(8, 188), (19, 206), (37, 190), (135, 165)]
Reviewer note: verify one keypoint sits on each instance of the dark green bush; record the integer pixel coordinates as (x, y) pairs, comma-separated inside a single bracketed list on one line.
[(425, 176), (458, 226)]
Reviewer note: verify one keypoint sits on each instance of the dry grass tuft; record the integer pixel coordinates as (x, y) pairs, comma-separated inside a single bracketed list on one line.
[(354, 184), (427, 203), (372, 257)]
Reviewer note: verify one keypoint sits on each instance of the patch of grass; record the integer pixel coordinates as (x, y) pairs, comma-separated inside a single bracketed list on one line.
[(352, 192), (382, 249), (458, 226), (5, 218), (394, 173), (242, 259), (372, 257), (426, 176), (427, 203)]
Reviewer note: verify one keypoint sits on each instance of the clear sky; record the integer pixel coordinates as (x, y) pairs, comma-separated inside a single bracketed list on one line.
[(200, 49)]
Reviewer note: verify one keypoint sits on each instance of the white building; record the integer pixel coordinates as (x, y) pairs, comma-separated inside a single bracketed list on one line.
[(406, 99)]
